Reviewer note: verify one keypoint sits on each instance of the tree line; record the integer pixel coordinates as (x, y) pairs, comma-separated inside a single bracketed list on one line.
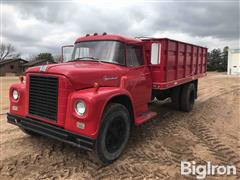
[(217, 60)]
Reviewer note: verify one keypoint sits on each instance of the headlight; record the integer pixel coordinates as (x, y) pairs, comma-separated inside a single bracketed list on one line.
[(80, 107), (15, 94)]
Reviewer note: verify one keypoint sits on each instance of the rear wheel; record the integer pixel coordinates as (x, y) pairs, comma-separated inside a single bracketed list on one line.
[(175, 98), (113, 134), (188, 97)]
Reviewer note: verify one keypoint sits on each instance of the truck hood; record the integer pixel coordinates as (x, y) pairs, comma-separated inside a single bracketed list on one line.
[(84, 74)]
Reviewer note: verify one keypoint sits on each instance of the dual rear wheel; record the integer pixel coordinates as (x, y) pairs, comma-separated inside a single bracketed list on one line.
[(183, 98)]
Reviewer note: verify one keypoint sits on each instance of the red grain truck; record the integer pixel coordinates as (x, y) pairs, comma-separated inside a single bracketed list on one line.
[(92, 100)]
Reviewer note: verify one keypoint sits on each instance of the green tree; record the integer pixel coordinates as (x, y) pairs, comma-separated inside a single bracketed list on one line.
[(217, 60), (214, 59), (47, 56)]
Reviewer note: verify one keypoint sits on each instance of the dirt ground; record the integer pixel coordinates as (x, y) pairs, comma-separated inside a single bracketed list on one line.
[(209, 133)]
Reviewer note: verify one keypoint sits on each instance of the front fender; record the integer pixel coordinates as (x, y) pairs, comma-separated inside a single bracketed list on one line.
[(96, 101), (18, 106)]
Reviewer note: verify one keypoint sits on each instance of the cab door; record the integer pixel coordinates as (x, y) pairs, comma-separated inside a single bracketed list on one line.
[(139, 78)]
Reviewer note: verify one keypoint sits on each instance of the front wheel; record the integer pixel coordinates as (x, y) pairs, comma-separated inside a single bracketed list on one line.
[(113, 134)]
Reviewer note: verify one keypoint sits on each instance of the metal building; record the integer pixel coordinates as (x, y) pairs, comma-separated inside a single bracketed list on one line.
[(233, 61)]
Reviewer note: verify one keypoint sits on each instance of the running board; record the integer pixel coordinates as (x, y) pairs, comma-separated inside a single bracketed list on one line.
[(145, 117)]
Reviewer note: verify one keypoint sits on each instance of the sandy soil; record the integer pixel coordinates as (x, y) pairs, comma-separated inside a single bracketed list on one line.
[(209, 133)]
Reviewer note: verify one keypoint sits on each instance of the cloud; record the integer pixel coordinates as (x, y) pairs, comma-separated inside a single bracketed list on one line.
[(38, 26)]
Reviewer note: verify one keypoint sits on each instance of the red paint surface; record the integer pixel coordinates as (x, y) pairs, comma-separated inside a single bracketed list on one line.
[(180, 63)]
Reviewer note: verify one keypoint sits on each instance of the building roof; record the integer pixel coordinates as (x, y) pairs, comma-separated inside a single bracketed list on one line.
[(12, 60), (37, 61), (108, 37)]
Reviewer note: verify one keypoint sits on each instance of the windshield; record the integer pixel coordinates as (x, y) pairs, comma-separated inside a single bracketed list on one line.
[(105, 51)]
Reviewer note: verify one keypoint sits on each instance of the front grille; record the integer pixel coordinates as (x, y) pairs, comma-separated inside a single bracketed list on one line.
[(43, 96)]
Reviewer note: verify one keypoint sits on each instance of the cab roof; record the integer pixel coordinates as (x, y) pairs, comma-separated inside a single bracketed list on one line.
[(112, 37)]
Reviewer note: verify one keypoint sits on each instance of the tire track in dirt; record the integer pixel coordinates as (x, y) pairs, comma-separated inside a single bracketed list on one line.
[(210, 95), (54, 157), (200, 128), (164, 152), (222, 152)]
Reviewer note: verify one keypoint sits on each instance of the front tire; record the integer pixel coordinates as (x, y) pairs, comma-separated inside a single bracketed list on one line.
[(113, 134)]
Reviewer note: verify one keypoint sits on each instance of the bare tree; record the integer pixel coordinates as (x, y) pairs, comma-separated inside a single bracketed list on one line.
[(8, 51)]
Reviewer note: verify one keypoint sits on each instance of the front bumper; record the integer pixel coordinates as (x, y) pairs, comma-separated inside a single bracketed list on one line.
[(52, 131)]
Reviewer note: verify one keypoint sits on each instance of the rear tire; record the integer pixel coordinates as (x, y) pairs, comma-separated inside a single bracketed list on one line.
[(175, 98), (188, 97), (113, 134)]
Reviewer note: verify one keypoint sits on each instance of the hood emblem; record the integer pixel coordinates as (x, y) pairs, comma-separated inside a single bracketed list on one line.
[(106, 78), (43, 68)]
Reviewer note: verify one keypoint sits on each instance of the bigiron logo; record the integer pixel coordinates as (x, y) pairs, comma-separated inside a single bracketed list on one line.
[(201, 171)]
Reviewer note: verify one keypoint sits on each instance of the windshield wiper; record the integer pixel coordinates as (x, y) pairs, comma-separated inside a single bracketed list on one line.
[(85, 57)]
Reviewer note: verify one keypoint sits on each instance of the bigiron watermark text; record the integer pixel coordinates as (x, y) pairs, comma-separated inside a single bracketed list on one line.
[(201, 171)]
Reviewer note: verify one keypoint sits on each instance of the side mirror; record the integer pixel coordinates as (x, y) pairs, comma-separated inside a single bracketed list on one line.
[(156, 53), (67, 53)]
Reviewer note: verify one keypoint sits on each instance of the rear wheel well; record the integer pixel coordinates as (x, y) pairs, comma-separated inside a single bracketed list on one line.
[(125, 101)]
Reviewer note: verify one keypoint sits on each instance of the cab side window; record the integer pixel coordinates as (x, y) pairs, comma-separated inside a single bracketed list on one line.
[(134, 56)]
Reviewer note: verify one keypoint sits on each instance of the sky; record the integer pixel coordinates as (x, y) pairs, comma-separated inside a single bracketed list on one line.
[(44, 26)]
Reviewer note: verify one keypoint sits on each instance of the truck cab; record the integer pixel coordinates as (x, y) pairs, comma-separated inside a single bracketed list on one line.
[(92, 99)]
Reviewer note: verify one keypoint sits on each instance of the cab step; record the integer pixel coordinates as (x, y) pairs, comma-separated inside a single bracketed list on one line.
[(145, 117)]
